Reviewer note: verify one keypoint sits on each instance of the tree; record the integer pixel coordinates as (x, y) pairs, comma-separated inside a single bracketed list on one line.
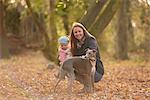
[(121, 29), (4, 52), (131, 42), (99, 15), (92, 12), (47, 49), (12, 20), (65, 16), (53, 31), (130, 31), (145, 21), (104, 17)]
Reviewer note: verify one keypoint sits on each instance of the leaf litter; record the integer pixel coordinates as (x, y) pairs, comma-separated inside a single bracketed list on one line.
[(26, 77)]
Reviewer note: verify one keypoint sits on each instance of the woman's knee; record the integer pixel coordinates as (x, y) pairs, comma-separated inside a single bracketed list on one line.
[(97, 77)]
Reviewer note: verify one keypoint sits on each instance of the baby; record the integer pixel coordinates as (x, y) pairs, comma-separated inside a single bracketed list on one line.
[(64, 49)]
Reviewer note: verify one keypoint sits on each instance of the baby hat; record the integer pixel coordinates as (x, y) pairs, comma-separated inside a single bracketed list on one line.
[(63, 40)]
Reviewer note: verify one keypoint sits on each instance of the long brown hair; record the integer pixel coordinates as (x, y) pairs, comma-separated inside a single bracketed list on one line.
[(73, 40)]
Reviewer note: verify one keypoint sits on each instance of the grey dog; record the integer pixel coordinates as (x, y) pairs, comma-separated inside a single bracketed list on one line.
[(80, 68)]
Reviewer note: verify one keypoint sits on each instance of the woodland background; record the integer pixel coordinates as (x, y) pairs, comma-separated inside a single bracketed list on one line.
[(29, 30)]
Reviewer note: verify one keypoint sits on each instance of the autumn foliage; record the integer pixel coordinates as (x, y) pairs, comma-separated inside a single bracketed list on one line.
[(26, 77)]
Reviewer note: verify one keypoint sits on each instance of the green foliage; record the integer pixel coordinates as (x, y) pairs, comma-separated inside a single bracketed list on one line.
[(60, 6), (73, 8), (40, 5)]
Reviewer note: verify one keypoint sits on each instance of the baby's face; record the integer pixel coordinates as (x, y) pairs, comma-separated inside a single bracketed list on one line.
[(64, 46)]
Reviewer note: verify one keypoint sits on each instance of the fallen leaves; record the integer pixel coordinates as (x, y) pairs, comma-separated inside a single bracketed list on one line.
[(26, 77)]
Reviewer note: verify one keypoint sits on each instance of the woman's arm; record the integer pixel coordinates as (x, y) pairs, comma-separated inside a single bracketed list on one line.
[(92, 44)]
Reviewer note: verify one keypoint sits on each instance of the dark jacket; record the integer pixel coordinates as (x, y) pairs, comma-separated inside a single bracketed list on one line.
[(90, 43)]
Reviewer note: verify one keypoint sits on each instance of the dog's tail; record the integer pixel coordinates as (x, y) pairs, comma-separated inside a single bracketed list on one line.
[(57, 84)]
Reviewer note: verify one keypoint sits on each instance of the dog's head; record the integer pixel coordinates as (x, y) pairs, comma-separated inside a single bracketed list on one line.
[(91, 54)]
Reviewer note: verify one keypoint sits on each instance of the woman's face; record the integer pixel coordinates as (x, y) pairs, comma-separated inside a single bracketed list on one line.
[(78, 33)]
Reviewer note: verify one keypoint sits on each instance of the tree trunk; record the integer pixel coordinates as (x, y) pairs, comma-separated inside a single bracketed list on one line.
[(121, 28), (4, 52), (46, 49), (145, 19), (92, 12), (131, 42), (104, 17), (65, 17), (53, 32), (66, 23)]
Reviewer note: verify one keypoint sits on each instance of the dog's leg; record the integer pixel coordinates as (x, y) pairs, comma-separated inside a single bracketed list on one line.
[(87, 84), (70, 84), (71, 78), (60, 76), (92, 78), (57, 85), (93, 74)]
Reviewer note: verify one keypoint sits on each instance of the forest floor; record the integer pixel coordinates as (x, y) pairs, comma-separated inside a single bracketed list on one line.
[(26, 77)]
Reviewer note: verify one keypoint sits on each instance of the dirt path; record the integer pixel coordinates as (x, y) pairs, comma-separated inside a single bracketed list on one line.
[(25, 77)]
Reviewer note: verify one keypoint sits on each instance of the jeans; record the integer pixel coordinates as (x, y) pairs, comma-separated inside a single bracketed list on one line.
[(97, 77)]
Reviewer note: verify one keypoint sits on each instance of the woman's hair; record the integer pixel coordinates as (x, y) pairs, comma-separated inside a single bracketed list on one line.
[(73, 40)]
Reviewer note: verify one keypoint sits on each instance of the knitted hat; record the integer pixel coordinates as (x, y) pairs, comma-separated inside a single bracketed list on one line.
[(63, 40)]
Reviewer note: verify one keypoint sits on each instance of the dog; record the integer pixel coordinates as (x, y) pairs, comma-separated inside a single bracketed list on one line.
[(80, 68)]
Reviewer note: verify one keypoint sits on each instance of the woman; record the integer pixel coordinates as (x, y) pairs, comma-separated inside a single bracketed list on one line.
[(81, 39)]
